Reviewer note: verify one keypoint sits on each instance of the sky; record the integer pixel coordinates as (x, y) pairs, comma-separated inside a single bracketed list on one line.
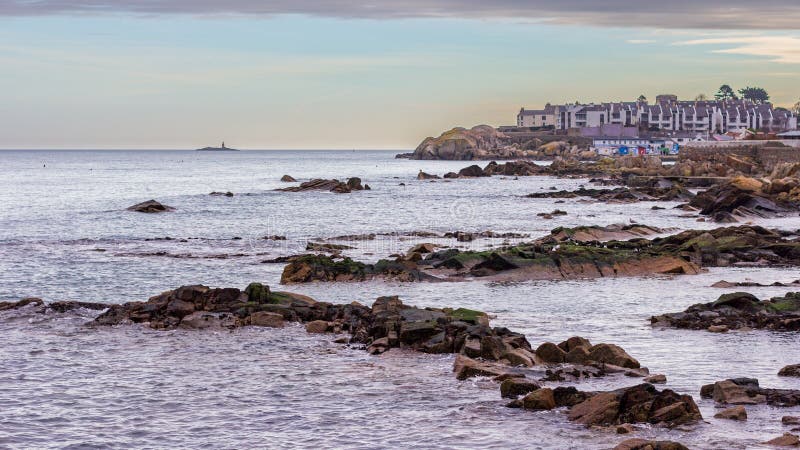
[(344, 74)]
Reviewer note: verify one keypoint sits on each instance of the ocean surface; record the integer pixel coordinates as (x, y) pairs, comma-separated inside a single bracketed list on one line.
[(65, 234)]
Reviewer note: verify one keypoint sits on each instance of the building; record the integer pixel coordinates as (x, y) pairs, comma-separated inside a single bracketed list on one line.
[(666, 114), (537, 118)]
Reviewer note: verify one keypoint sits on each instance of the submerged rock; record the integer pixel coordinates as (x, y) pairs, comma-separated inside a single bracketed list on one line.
[(150, 206), (746, 391)]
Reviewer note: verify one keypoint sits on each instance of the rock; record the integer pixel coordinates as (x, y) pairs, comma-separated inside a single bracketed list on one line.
[(540, 399), (643, 444), (734, 413), (266, 319), (379, 346), (4, 306), (790, 420), (575, 342), (202, 320), (792, 370), (288, 179), (787, 440), (656, 379), (471, 171), (612, 354), (478, 143), (625, 428), (426, 176), (568, 396), (578, 355), (730, 393), (637, 404), (738, 311), (466, 367), (317, 326), (336, 186), (150, 206), (222, 194), (551, 353), (514, 387)]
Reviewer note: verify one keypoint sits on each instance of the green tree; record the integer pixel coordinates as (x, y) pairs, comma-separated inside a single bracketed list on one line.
[(725, 92), (754, 94), (642, 99), (701, 98)]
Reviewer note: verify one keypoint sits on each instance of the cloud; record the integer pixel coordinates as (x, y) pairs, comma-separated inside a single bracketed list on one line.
[(779, 49), (640, 41), (677, 14)]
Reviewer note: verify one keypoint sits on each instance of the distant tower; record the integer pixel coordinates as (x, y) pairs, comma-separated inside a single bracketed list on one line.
[(223, 144)]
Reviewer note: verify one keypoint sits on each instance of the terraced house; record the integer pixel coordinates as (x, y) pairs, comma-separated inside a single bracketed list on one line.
[(667, 113)]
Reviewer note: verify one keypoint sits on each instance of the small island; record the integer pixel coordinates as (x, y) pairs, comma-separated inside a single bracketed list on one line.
[(217, 149)]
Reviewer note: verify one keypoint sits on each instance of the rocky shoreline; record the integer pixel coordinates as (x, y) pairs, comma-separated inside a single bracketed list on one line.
[(530, 377)]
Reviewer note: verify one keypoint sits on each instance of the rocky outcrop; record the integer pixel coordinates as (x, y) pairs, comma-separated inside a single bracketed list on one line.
[(746, 391), (578, 350), (551, 259), (623, 194), (736, 311), (339, 187), (742, 198), (477, 143), (222, 194), (615, 232), (150, 206), (637, 404), (738, 413), (426, 176), (40, 306), (288, 179)]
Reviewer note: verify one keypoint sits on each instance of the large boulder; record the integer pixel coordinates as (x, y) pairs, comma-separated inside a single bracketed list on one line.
[(612, 354)]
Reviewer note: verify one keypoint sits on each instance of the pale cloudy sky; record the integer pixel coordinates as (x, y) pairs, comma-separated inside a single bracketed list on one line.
[(356, 74)]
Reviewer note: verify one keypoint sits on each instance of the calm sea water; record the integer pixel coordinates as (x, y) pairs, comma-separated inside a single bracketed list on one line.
[(65, 234)]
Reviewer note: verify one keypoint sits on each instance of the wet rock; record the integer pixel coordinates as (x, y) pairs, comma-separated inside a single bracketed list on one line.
[(266, 319), (327, 247), (792, 370), (637, 404), (734, 413), (787, 440), (644, 444), (426, 176), (334, 185), (612, 354), (288, 179), (472, 171), (746, 391), (317, 326), (656, 379), (551, 353), (222, 194), (466, 367), (738, 311), (514, 387), (203, 320), (790, 420), (4, 306), (150, 206), (740, 197), (539, 399), (568, 396)]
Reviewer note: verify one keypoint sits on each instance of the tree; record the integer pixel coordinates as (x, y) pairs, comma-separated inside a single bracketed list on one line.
[(642, 99), (701, 98), (796, 108), (754, 94), (725, 92)]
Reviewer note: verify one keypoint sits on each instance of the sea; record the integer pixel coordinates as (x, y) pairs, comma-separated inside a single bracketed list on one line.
[(65, 234)]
